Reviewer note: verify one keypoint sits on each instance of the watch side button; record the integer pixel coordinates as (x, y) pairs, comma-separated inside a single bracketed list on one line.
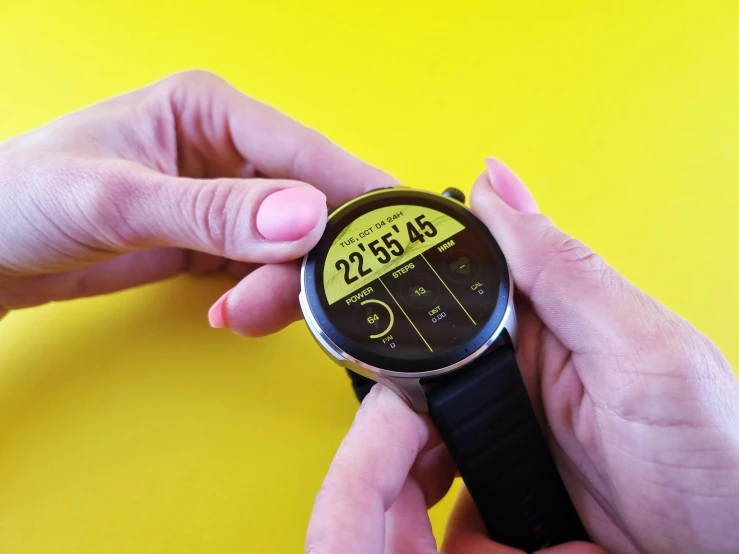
[(454, 193)]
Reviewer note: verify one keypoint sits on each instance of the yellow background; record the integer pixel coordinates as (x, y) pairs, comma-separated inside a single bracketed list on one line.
[(127, 425)]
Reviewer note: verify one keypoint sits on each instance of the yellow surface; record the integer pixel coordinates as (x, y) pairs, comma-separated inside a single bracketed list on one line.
[(128, 426)]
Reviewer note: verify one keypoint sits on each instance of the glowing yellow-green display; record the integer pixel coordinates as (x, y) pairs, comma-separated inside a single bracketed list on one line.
[(381, 241)]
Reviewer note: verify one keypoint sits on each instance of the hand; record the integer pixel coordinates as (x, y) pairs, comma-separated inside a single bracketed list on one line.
[(641, 412), (185, 175)]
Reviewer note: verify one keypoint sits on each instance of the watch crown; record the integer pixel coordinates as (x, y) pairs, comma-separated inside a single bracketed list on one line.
[(457, 194)]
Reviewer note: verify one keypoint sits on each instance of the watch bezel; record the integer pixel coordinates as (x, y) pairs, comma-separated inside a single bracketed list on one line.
[(340, 346)]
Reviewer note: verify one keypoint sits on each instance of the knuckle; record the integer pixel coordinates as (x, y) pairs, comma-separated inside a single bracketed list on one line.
[(313, 152), (192, 102), (193, 79), (572, 252), (213, 208), (567, 262), (539, 224)]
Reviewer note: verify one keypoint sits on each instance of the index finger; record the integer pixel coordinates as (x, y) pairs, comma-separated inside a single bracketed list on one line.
[(366, 476), (225, 130)]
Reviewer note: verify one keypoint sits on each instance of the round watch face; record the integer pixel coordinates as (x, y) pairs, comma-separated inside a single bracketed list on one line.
[(406, 281)]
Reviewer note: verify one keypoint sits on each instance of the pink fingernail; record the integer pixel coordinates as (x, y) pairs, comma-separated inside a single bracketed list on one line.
[(217, 313), (510, 188), (290, 214)]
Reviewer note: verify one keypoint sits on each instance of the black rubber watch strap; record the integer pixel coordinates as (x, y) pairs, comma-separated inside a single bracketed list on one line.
[(361, 384), (485, 417)]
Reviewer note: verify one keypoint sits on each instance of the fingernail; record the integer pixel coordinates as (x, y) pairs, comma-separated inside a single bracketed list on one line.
[(290, 214), (509, 187), (217, 313)]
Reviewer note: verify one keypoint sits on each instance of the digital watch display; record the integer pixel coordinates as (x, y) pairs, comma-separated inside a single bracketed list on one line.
[(410, 289), (409, 281)]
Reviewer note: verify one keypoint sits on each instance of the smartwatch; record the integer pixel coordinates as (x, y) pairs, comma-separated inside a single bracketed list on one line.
[(409, 289)]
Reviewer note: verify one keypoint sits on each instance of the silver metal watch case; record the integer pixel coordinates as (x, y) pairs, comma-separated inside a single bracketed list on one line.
[(501, 327)]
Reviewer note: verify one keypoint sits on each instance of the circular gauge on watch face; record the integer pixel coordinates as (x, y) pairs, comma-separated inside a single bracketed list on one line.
[(406, 281)]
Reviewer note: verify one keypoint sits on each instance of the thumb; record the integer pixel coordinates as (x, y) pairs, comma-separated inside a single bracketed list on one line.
[(250, 220), (575, 293)]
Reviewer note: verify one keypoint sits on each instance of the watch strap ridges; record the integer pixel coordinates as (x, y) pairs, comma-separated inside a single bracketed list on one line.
[(486, 419)]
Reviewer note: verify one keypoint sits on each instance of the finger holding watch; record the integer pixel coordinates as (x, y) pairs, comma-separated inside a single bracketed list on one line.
[(187, 174), (374, 502), (638, 407)]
